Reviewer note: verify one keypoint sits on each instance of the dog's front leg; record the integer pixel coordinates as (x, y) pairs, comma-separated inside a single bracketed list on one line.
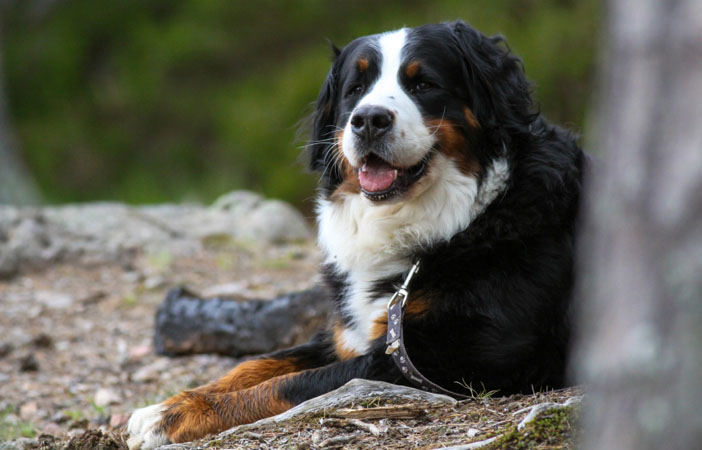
[(147, 426), (192, 414)]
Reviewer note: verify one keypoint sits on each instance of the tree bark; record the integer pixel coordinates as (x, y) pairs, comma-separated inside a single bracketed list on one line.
[(16, 184), (641, 290)]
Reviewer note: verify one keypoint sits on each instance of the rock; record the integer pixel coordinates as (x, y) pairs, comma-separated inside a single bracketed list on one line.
[(53, 429), (42, 340), (154, 282), (119, 420), (104, 397), (5, 349), (54, 300), (231, 290), (75, 432), (237, 203), (9, 264), (29, 363), (19, 444), (33, 238), (28, 411), (152, 371), (275, 221), (139, 352)]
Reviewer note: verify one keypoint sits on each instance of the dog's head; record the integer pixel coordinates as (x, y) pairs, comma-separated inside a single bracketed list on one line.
[(392, 102)]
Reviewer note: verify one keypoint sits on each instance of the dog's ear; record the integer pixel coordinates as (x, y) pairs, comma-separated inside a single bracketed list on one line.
[(324, 117), (499, 91)]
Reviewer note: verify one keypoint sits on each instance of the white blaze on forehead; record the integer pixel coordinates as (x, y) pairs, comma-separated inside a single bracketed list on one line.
[(410, 139)]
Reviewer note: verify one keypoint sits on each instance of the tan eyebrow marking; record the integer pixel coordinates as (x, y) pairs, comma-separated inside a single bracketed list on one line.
[(470, 118), (412, 69), (362, 64)]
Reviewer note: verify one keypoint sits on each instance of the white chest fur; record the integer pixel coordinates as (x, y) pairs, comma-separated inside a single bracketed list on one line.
[(368, 242)]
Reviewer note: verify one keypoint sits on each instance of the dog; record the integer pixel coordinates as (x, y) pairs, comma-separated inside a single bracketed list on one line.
[(431, 151)]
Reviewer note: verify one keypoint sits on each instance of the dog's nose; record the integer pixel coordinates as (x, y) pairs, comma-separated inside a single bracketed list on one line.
[(370, 122)]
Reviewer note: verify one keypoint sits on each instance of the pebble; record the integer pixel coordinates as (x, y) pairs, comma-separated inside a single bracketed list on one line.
[(105, 397), (139, 352), (29, 363), (54, 300), (19, 444), (132, 277), (28, 411), (11, 419), (154, 282), (151, 372), (234, 289), (42, 340), (53, 429), (119, 420), (76, 432), (5, 349)]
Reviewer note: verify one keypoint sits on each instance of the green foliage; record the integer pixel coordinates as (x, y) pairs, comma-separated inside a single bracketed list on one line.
[(155, 100)]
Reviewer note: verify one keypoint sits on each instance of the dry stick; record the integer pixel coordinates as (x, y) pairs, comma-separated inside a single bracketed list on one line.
[(409, 411), (337, 440), (369, 427)]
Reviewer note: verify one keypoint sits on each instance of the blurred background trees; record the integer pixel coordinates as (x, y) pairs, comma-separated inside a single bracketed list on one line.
[(156, 100)]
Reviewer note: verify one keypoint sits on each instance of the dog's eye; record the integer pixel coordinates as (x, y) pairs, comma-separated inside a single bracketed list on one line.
[(420, 86), (355, 89)]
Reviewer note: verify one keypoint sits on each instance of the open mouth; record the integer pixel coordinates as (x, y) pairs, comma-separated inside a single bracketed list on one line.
[(380, 180)]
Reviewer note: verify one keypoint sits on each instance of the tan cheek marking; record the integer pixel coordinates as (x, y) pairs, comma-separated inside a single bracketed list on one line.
[(362, 64), (470, 118), (453, 145), (412, 69), (340, 346), (350, 184)]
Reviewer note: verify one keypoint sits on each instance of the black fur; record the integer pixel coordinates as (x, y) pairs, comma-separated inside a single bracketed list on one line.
[(492, 302), (501, 289)]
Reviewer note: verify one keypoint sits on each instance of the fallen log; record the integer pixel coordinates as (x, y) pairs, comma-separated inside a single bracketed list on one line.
[(187, 324)]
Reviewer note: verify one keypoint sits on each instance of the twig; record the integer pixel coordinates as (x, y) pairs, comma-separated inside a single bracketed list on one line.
[(541, 407), (470, 446), (336, 440), (409, 411), (369, 427)]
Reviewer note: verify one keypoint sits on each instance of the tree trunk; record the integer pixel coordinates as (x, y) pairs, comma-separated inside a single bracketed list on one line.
[(16, 184), (641, 290)]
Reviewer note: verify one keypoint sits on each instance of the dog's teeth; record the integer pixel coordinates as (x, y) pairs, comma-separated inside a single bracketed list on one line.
[(394, 174)]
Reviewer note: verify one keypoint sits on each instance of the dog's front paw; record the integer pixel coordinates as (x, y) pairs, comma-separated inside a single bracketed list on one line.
[(144, 428)]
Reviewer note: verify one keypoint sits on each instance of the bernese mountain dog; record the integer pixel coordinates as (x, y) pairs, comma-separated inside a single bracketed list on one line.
[(431, 151)]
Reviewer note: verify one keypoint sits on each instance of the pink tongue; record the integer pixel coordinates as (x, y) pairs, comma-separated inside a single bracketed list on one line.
[(376, 177)]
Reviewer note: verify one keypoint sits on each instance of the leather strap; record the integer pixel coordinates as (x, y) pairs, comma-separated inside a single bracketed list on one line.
[(396, 344)]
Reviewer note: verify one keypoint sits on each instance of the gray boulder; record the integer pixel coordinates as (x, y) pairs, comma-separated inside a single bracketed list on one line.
[(102, 232)]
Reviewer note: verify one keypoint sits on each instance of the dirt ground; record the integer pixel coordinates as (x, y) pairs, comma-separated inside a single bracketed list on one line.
[(76, 358)]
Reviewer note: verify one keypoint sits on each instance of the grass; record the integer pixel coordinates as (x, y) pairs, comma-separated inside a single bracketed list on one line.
[(482, 394), (74, 414), (129, 300), (12, 428), (101, 410)]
